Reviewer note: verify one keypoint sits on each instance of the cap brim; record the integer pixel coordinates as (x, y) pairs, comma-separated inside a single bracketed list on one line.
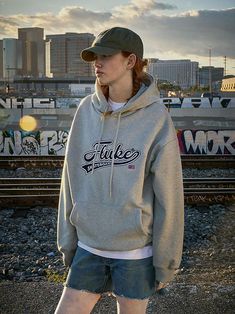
[(89, 54)]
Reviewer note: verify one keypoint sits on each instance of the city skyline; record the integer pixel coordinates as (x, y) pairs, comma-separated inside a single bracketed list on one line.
[(170, 30)]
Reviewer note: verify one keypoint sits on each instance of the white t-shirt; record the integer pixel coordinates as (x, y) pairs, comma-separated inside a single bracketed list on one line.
[(132, 254), (115, 105)]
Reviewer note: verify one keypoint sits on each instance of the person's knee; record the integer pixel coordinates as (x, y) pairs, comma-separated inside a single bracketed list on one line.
[(76, 301), (130, 306)]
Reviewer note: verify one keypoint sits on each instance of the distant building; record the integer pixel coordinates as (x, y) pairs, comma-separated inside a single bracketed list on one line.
[(178, 72), (48, 59), (12, 58), (65, 57), (228, 85), (82, 89), (52, 86), (210, 75), (33, 51)]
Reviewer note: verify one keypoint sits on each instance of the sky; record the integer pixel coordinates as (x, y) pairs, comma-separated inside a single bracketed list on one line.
[(169, 29)]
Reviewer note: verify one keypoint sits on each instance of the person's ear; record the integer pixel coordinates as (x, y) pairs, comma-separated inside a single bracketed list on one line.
[(131, 61)]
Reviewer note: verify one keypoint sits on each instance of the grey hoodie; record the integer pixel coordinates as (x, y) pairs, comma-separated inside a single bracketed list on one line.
[(122, 185)]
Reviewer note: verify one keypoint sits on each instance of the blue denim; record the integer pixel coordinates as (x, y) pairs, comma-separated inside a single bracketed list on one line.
[(133, 279)]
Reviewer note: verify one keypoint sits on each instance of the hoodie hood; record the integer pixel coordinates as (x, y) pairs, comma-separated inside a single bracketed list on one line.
[(147, 94)]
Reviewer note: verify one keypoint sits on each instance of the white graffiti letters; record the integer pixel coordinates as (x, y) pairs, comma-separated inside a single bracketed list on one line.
[(209, 142), (13, 143), (198, 142)]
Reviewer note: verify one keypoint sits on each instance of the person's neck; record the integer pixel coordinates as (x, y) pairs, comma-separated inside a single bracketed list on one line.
[(121, 93)]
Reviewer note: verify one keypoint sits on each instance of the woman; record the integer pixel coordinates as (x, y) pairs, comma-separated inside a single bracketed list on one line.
[(120, 223)]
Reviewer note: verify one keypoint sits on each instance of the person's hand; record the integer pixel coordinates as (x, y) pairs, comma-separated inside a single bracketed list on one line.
[(160, 286)]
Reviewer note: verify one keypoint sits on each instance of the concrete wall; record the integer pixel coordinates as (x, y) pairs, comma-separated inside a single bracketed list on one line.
[(199, 130)]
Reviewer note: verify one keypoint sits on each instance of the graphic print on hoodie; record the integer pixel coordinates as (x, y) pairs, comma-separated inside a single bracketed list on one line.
[(104, 151)]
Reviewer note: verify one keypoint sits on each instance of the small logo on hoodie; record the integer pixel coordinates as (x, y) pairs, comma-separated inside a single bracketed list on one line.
[(103, 153)]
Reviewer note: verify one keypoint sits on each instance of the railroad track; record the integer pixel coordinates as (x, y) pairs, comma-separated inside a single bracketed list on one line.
[(209, 190), (20, 192), (29, 191), (208, 161), (31, 162), (51, 162)]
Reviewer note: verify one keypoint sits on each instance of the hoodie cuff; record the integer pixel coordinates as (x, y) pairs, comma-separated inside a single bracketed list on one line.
[(68, 258), (164, 275)]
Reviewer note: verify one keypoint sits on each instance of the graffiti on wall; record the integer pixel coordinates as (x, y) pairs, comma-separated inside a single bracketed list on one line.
[(200, 102), (211, 142), (208, 142), (14, 143)]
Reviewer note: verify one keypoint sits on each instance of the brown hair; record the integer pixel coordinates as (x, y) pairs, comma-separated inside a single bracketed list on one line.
[(139, 75)]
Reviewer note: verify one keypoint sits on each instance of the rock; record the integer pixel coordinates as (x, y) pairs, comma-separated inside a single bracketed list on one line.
[(51, 254), (41, 271), (214, 238)]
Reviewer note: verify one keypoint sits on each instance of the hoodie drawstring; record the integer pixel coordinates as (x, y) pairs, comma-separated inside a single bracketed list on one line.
[(98, 144), (112, 163), (114, 145)]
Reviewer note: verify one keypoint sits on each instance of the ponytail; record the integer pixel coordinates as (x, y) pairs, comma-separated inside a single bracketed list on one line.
[(139, 75)]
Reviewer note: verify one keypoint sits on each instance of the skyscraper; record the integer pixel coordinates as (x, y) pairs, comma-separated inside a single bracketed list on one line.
[(33, 51), (209, 75), (179, 72), (65, 55), (11, 58)]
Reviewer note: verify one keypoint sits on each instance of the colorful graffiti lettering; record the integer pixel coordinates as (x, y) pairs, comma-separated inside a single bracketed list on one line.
[(43, 143), (32, 143)]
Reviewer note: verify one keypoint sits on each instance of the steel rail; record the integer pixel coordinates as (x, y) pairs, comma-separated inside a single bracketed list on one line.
[(23, 191)]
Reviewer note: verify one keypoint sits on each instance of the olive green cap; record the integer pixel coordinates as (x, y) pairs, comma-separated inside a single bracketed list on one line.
[(112, 41)]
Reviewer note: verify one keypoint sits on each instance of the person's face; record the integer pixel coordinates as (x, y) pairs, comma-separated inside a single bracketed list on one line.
[(113, 69)]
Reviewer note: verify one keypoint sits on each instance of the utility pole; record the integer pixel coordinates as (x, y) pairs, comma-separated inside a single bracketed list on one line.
[(225, 65), (210, 87)]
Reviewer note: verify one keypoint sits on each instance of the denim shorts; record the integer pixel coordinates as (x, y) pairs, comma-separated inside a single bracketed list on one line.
[(134, 279)]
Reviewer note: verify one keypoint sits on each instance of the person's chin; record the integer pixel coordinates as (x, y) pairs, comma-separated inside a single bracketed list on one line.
[(102, 81)]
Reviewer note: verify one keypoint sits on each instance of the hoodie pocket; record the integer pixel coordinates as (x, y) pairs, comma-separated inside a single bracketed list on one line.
[(109, 227), (143, 223)]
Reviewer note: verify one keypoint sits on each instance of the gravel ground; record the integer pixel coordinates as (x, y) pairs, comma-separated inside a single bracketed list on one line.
[(31, 270)]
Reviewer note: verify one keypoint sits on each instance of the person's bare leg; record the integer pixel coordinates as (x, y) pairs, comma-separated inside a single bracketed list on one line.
[(130, 306), (75, 301)]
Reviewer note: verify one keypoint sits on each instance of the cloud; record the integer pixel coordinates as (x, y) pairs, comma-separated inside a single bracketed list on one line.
[(165, 6), (69, 19), (82, 18), (185, 34), (193, 33), (138, 8), (8, 27)]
